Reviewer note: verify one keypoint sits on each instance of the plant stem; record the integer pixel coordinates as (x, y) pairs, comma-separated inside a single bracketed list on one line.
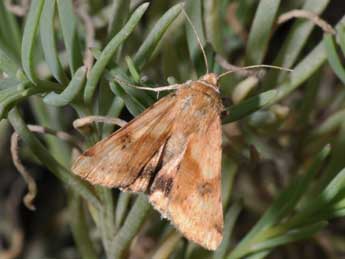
[(131, 227), (167, 247), (80, 228), (44, 156)]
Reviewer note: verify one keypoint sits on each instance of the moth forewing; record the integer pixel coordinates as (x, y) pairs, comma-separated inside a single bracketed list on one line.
[(117, 160), (172, 151)]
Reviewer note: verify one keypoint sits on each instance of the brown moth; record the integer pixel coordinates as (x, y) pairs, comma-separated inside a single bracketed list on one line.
[(172, 152)]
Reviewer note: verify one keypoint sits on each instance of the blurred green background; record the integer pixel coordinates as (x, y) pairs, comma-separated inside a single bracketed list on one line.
[(283, 132)]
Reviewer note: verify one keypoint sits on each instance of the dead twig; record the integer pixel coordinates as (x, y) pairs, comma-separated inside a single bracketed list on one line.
[(313, 17), (85, 121), (82, 11), (32, 187), (18, 9), (234, 23), (57, 133)]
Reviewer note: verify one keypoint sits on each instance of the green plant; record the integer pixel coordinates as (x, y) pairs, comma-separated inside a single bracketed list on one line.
[(50, 60)]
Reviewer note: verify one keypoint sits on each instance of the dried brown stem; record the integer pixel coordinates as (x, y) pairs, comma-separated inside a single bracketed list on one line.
[(326, 27), (82, 11), (19, 10), (59, 134), (234, 23), (32, 187), (17, 241), (85, 121)]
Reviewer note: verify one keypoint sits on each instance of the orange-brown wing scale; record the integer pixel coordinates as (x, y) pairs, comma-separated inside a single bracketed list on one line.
[(195, 204), (173, 152), (117, 160), (187, 189)]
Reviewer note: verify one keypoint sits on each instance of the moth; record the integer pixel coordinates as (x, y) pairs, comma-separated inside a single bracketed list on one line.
[(172, 152)]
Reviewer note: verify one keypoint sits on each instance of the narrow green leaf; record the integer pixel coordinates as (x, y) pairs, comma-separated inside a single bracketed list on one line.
[(291, 236), (80, 227), (282, 205), (144, 97), (229, 223), (8, 83), (260, 31), (294, 42), (108, 52), (122, 208), (331, 124), (194, 11), (333, 57), (341, 37), (73, 89), (7, 65), (337, 161), (311, 63), (213, 24), (259, 255), (29, 38), (249, 106), (131, 226), (132, 69), (333, 188), (55, 167), (48, 42), (132, 104), (10, 36), (147, 48), (69, 29), (9, 97), (119, 14), (7, 92), (114, 111)]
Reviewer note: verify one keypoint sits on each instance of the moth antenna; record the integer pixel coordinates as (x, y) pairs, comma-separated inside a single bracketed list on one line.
[(253, 67), (153, 89), (197, 38)]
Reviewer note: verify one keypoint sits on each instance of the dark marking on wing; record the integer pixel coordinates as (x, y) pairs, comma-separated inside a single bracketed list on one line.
[(163, 184), (205, 189), (125, 140), (219, 229), (89, 152)]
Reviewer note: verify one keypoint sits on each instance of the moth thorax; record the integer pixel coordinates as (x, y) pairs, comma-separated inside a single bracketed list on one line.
[(211, 79)]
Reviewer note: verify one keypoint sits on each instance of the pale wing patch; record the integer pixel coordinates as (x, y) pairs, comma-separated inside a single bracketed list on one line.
[(117, 160), (195, 205)]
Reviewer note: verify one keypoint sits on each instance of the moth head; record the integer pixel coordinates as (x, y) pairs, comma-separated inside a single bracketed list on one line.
[(210, 79)]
